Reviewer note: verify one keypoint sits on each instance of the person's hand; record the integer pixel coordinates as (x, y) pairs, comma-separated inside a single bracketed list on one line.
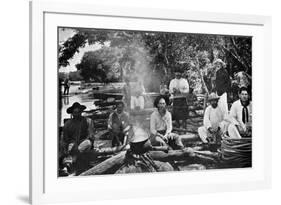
[(241, 129), (70, 146), (125, 141), (211, 130), (120, 148), (162, 137), (165, 138), (176, 91), (248, 130), (209, 139)]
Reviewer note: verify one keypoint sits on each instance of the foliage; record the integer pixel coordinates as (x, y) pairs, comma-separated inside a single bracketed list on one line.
[(148, 54), (68, 49)]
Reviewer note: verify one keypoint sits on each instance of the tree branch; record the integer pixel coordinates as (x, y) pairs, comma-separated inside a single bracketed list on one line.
[(242, 59), (236, 57)]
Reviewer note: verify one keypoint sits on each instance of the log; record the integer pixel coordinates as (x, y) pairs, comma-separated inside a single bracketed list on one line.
[(102, 134), (104, 103), (195, 124), (98, 116), (189, 137), (100, 125), (104, 96), (195, 108), (114, 162), (171, 155), (187, 154), (207, 153), (195, 116), (195, 119), (185, 130), (100, 109)]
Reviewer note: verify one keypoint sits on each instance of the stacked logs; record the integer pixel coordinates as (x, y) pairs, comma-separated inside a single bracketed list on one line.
[(236, 152)]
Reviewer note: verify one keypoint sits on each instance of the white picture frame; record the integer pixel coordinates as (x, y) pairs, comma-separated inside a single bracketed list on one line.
[(46, 187)]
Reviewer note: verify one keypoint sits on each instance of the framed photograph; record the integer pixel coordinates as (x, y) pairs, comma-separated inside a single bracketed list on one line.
[(129, 102)]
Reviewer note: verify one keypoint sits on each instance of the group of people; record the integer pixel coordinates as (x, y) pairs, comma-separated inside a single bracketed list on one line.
[(120, 126), (219, 121), (236, 124), (78, 132)]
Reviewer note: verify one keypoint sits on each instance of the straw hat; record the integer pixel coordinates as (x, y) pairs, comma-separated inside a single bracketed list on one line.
[(219, 61), (213, 96)]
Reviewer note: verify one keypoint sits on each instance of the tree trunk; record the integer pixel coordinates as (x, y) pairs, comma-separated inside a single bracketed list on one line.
[(203, 83), (113, 162)]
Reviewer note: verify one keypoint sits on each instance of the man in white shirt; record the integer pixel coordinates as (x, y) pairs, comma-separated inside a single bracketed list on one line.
[(213, 116), (161, 126), (178, 85), (137, 99), (179, 89), (241, 116)]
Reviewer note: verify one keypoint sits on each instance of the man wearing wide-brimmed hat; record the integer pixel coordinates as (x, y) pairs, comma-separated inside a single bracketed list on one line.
[(78, 133), (213, 116)]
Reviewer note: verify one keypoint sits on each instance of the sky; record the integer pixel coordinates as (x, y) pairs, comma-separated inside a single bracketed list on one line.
[(66, 33)]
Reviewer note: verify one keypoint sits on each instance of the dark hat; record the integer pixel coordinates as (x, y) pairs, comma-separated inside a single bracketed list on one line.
[(75, 105), (178, 70)]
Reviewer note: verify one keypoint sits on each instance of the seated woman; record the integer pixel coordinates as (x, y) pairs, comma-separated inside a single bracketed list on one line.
[(161, 126)]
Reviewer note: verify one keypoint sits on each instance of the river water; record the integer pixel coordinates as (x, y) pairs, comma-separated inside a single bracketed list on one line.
[(84, 96), (75, 95)]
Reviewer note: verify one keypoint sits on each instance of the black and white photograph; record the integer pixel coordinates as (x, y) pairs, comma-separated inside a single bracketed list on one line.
[(151, 101)]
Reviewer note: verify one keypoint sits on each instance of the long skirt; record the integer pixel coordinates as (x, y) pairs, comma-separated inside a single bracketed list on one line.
[(180, 109)]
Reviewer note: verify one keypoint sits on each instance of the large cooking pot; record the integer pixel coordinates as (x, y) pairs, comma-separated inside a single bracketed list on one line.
[(139, 143)]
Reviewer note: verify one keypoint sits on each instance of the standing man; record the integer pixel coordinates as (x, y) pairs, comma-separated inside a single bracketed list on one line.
[(178, 85), (213, 116), (179, 89), (161, 125), (119, 125), (243, 80), (241, 116), (66, 84), (222, 84), (127, 93), (137, 99)]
